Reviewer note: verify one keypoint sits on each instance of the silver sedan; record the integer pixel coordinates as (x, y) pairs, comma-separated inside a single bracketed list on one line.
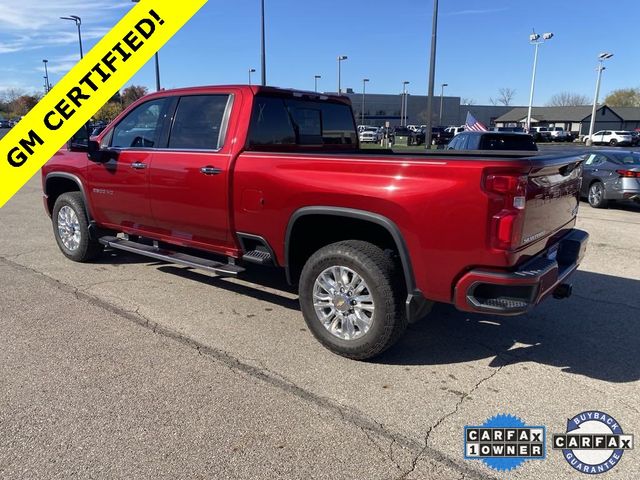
[(611, 175)]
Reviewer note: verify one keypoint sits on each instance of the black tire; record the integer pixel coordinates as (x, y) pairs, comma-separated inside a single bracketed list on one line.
[(596, 195), (386, 286), (87, 248), (613, 142)]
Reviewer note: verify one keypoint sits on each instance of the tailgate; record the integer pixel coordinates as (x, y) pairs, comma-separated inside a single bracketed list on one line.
[(553, 194)]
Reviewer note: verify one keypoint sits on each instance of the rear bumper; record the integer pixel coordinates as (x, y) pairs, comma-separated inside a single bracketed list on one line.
[(516, 292)]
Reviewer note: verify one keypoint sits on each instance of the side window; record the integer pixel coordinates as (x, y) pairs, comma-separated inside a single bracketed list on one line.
[(141, 127), (591, 160), (606, 133), (270, 123), (198, 122), (337, 125)]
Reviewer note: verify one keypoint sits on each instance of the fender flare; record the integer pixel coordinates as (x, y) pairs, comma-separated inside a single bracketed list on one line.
[(416, 305), (77, 181), (378, 219)]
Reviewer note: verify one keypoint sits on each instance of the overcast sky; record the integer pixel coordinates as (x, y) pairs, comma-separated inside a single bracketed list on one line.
[(482, 44)]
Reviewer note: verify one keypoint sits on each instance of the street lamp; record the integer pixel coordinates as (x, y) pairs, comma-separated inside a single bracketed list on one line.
[(78, 22), (263, 46), (404, 104), (47, 85), (442, 100), (364, 92), (536, 40), (157, 60), (251, 70), (432, 73), (341, 58), (601, 58), (316, 78)]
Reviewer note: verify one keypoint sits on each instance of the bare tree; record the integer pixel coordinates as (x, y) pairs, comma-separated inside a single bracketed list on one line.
[(505, 96), (568, 99), (624, 97), (468, 101)]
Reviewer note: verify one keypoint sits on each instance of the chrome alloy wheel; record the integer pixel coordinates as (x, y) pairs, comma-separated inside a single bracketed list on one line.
[(69, 228), (343, 303), (596, 193)]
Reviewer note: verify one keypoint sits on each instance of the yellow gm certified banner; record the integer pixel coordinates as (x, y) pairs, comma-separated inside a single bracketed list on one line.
[(87, 88)]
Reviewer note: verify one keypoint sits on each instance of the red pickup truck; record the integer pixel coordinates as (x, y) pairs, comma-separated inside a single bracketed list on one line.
[(218, 178)]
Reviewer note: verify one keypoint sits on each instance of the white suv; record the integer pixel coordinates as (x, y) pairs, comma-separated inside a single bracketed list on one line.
[(558, 134), (610, 137), (370, 134)]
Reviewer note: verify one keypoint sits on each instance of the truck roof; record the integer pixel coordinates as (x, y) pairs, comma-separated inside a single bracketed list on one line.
[(251, 89)]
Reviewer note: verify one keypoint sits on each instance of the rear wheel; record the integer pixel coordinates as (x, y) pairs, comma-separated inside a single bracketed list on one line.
[(71, 228), (596, 195), (352, 299), (613, 142)]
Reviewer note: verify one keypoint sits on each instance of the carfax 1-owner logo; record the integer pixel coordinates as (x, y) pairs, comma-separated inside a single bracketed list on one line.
[(593, 442), (504, 442)]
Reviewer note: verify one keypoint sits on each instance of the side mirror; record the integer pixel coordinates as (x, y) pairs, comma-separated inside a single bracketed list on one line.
[(99, 155), (74, 145)]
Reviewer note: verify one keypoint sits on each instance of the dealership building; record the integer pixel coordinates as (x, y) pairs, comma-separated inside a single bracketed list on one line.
[(380, 109)]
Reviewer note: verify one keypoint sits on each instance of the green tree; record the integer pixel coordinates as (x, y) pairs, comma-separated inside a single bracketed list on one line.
[(624, 97), (107, 113), (132, 93)]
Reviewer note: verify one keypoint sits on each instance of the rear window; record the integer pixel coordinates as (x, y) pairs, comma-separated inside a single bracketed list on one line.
[(628, 158), (292, 122), (508, 142)]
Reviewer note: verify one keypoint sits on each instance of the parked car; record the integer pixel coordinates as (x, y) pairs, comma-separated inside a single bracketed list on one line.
[(370, 135), (611, 175), (413, 137), (220, 178), (610, 137), (635, 137), (559, 134), (5, 123), (455, 130), (439, 136), (540, 134), (493, 141)]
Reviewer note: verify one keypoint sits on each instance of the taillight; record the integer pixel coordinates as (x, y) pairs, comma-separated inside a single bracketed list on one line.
[(628, 173), (509, 192)]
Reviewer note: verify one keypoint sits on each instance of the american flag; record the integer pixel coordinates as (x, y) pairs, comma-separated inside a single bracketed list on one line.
[(474, 125)]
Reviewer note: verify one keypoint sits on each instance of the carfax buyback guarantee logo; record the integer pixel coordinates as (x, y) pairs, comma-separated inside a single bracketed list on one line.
[(593, 443), (504, 442)]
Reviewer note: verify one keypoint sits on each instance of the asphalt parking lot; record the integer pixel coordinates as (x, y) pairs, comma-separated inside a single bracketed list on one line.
[(131, 368)]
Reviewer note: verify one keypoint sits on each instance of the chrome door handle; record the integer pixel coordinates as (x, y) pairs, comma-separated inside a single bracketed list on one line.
[(139, 165), (210, 170)]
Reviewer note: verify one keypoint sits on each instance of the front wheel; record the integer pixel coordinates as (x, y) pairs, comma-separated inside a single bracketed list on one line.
[(596, 195), (71, 228), (351, 296)]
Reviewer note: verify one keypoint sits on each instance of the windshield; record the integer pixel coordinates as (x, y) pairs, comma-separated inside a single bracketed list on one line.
[(628, 158)]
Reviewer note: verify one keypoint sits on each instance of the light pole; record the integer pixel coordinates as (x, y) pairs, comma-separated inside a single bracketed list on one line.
[(341, 59), (316, 78), (534, 39), (432, 74), (157, 60), (601, 58), (78, 22), (404, 105), (263, 46), (47, 85), (364, 92), (442, 100), (251, 70)]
